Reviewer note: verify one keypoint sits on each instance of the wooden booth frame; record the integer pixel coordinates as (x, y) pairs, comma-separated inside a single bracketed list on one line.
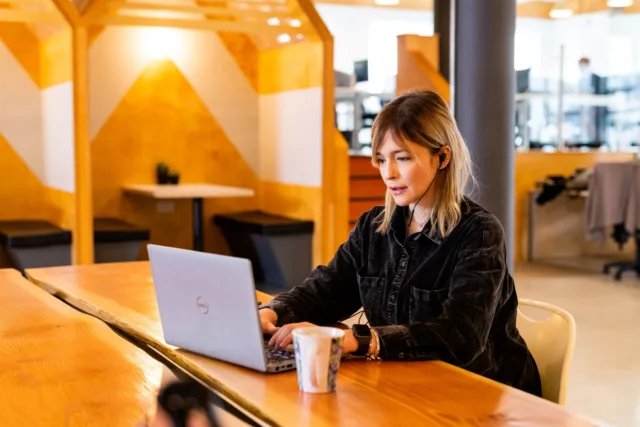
[(242, 16)]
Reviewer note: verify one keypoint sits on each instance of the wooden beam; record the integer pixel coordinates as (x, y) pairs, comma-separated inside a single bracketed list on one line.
[(331, 207), (18, 15), (207, 10), (534, 9), (422, 5), (83, 225), (68, 11), (204, 24), (271, 3), (23, 2), (92, 8)]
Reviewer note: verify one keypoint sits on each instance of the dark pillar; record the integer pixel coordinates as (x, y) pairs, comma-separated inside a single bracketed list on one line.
[(442, 27), (484, 89)]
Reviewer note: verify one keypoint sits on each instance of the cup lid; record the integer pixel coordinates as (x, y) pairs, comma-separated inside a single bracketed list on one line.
[(318, 331)]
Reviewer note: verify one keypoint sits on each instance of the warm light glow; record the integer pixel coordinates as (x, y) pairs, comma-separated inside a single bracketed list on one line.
[(265, 8), (561, 10), (295, 23), (619, 3), (299, 36), (386, 2), (160, 43), (273, 21), (284, 38)]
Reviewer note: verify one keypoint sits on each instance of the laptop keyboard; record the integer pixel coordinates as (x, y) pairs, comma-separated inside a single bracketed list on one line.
[(278, 355)]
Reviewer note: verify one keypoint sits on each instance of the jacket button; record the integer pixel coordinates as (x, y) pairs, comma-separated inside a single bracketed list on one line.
[(401, 355)]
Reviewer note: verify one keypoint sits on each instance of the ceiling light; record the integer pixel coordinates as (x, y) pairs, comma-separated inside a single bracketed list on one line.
[(295, 23), (386, 2), (284, 38), (264, 8), (299, 36), (273, 21), (619, 3), (561, 10)]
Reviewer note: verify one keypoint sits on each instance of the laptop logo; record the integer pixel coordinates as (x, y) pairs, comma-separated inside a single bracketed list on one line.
[(203, 305)]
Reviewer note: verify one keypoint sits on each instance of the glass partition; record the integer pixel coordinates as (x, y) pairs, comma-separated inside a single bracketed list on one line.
[(578, 83)]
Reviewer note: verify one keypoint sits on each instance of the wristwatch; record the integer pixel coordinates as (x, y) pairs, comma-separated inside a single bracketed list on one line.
[(362, 334)]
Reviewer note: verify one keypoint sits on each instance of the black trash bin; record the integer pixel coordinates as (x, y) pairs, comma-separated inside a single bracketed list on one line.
[(116, 240), (280, 248), (32, 244)]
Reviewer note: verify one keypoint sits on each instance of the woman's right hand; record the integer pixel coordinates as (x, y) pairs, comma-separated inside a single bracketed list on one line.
[(268, 320)]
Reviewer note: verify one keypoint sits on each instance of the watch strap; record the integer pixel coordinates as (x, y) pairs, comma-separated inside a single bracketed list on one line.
[(364, 343)]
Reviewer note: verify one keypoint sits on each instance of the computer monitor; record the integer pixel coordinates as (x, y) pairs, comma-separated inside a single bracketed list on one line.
[(522, 80), (361, 70)]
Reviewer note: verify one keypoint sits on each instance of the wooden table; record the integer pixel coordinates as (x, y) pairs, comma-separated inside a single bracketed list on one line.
[(195, 192), (369, 393), (59, 367)]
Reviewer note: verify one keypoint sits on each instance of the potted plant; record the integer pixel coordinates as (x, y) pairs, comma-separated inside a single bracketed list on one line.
[(173, 177), (162, 173)]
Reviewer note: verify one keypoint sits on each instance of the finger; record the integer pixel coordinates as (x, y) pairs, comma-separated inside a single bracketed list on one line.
[(274, 337), (280, 335), (287, 340), (269, 328)]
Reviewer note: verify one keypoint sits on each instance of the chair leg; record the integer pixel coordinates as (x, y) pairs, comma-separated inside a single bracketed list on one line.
[(626, 265)]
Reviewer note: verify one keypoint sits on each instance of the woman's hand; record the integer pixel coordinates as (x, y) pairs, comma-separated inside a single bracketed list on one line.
[(350, 343), (268, 320), (284, 336)]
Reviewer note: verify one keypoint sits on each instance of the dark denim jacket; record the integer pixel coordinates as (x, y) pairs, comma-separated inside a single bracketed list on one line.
[(429, 298)]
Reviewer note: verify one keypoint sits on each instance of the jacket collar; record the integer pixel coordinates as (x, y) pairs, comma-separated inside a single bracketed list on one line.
[(398, 227)]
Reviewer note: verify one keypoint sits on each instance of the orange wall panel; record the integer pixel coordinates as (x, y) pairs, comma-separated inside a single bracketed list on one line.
[(244, 52), (55, 60), (24, 46), (162, 119), (23, 196), (298, 66)]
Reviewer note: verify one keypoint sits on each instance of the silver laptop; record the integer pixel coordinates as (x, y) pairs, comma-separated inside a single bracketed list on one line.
[(208, 305)]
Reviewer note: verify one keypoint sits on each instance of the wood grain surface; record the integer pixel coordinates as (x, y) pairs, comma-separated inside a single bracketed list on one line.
[(368, 393), (59, 367)]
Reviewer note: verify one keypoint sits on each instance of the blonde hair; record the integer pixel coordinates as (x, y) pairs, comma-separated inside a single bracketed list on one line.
[(423, 118)]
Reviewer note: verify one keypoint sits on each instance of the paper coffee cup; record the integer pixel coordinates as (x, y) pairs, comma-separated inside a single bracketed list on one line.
[(318, 351)]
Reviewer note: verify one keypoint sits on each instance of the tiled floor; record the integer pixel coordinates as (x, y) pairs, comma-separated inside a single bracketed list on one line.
[(605, 376)]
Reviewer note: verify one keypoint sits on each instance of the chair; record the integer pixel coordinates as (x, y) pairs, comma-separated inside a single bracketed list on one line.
[(551, 342)]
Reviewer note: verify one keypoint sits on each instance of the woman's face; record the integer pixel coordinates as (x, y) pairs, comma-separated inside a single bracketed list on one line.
[(407, 175)]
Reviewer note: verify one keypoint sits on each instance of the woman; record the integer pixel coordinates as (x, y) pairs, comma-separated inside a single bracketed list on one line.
[(429, 268)]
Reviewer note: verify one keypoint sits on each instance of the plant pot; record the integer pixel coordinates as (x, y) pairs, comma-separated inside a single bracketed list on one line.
[(162, 178), (173, 178)]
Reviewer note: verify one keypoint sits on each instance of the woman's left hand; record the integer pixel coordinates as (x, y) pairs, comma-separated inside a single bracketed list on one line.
[(284, 336)]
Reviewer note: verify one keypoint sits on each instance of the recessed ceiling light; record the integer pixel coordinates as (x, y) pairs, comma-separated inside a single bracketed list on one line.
[(386, 2), (273, 21), (295, 23), (299, 36), (284, 38), (561, 10), (619, 3)]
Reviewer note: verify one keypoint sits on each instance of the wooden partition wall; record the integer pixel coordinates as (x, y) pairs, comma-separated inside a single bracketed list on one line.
[(125, 113), (418, 65)]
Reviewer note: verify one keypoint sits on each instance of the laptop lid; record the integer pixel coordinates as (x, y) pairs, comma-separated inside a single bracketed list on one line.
[(208, 304)]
